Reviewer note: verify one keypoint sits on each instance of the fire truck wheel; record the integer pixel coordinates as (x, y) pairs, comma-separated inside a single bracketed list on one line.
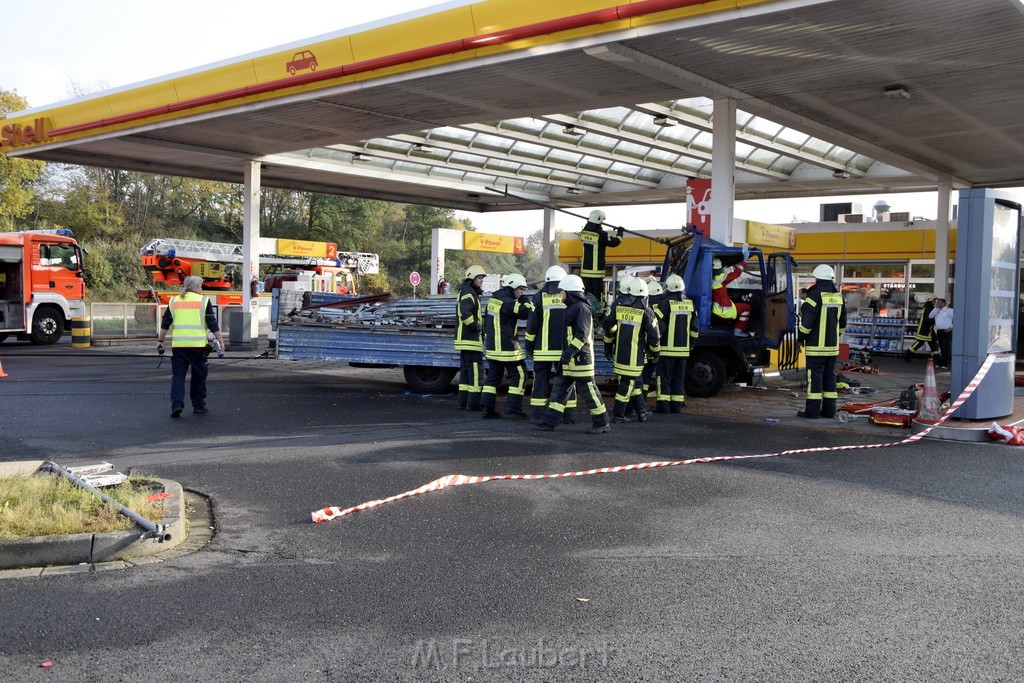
[(48, 326), (705, 374), (424, 379)]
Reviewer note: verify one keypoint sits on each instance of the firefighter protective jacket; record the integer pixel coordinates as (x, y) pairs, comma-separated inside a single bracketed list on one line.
[(677, 323), (595, 241), (822, 319), (504, 311), (579, 333), (545, 328), (926, 325), (632, 328), (469, 332)]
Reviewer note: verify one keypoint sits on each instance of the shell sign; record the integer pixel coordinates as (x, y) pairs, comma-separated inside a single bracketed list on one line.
[(15, 134), (500, 244)]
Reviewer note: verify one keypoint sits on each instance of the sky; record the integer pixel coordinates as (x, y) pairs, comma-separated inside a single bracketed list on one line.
[(54, 49)]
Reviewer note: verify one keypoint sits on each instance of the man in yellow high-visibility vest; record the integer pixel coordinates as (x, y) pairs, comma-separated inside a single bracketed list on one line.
[(191, 315)]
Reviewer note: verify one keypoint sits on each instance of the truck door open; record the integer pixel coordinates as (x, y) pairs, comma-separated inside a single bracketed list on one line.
[(779, 309)]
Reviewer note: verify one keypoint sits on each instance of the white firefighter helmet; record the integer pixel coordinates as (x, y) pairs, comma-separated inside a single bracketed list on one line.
[(674, 283), (513, 280), (625, 282), (473, 272), (571, 283), (596, 216), (554, 274), (716, 264), (655, 288), (823, 272), (637, 287)]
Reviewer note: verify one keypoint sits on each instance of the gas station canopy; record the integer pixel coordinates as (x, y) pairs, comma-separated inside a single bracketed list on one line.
[(580, 102)]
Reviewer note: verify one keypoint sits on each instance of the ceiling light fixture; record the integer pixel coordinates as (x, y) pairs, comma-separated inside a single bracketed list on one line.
[(896, 92), (421, 147), (358, 156), (840, 174), (573, 190), (574, 130), (664, 121)]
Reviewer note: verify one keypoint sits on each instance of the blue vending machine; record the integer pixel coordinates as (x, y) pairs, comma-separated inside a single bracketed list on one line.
[(985, 301)]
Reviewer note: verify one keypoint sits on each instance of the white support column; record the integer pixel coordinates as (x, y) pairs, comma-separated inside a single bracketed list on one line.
[(942, 240), (723, 169), (437, 260), (549, 246), (250, 244)]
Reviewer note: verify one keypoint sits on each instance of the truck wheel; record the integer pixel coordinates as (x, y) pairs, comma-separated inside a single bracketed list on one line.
[(705, 374), (424, 379), (48, 326)]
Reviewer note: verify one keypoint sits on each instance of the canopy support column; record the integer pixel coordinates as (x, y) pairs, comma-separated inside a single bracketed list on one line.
[(250, 250), (549, 247), (723, 169), (945, 189)]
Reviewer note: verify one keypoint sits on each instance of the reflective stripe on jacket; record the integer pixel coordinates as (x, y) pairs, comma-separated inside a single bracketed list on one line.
[(822, 320), (503, 313), (545, 328), (467, 312), (188, 315), (632, 328), (677, 324), (579, 335), (595, 240)]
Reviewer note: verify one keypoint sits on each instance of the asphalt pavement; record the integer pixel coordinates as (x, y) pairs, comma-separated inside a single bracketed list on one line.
[(879, 564)]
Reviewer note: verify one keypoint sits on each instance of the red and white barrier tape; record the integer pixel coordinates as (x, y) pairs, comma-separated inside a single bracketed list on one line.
[(329, 513)]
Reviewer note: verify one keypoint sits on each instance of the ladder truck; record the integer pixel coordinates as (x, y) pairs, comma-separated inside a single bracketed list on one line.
[(170, 260)]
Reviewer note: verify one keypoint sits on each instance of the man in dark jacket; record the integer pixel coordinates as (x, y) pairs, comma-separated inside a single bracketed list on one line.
[(545, 339), (501, 347), (925, 333), (469, 339), (822, 321), (677, 322), (576, 362), (631, 340), (595, 242)]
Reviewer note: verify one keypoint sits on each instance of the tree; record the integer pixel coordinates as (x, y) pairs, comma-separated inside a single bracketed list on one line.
[(17, 176)]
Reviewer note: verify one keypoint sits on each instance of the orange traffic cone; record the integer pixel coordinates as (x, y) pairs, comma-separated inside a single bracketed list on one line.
[(931, 407), (2, 373)]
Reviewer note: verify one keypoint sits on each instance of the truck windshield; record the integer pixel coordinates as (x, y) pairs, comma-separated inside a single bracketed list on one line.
[(63, 255)]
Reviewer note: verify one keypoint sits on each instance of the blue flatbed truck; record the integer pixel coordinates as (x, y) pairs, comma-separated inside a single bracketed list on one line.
[(430, 362)]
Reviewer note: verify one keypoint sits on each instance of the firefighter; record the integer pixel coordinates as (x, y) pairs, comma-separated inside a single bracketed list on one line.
[(656, 293), (925, 333), (191, 314), (595, 242), (576, 363), (505, 309), (469, 339), (822, 321), (721, 305), (677, 323), (545, 338), (631, 340)]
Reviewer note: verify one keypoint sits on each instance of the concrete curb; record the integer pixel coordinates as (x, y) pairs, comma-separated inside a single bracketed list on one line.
[(88, 549)]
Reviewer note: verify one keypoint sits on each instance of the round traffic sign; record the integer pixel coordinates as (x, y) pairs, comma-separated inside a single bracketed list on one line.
[(414, 278)]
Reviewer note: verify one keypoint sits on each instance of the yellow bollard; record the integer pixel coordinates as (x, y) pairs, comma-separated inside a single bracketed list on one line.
[(81, 332)]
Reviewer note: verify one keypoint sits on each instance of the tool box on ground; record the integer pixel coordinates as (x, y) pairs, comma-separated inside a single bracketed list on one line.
[(891, 417)]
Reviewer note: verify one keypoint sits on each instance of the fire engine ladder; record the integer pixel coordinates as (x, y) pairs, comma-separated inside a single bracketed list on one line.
[(208, 251)]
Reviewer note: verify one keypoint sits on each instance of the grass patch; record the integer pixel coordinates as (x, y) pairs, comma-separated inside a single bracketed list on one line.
[(44, 505)]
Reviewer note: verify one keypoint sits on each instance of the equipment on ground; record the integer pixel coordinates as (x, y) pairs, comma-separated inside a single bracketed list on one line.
[(42, 285)]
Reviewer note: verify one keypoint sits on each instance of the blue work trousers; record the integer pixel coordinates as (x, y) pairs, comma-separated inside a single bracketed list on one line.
[(183, 358)]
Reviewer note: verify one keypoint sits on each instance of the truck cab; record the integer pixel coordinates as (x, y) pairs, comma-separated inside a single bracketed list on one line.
[(765, 284), (42, 284)]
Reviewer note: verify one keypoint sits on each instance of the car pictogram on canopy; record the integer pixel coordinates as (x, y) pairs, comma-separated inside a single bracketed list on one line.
[(301, 61)]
